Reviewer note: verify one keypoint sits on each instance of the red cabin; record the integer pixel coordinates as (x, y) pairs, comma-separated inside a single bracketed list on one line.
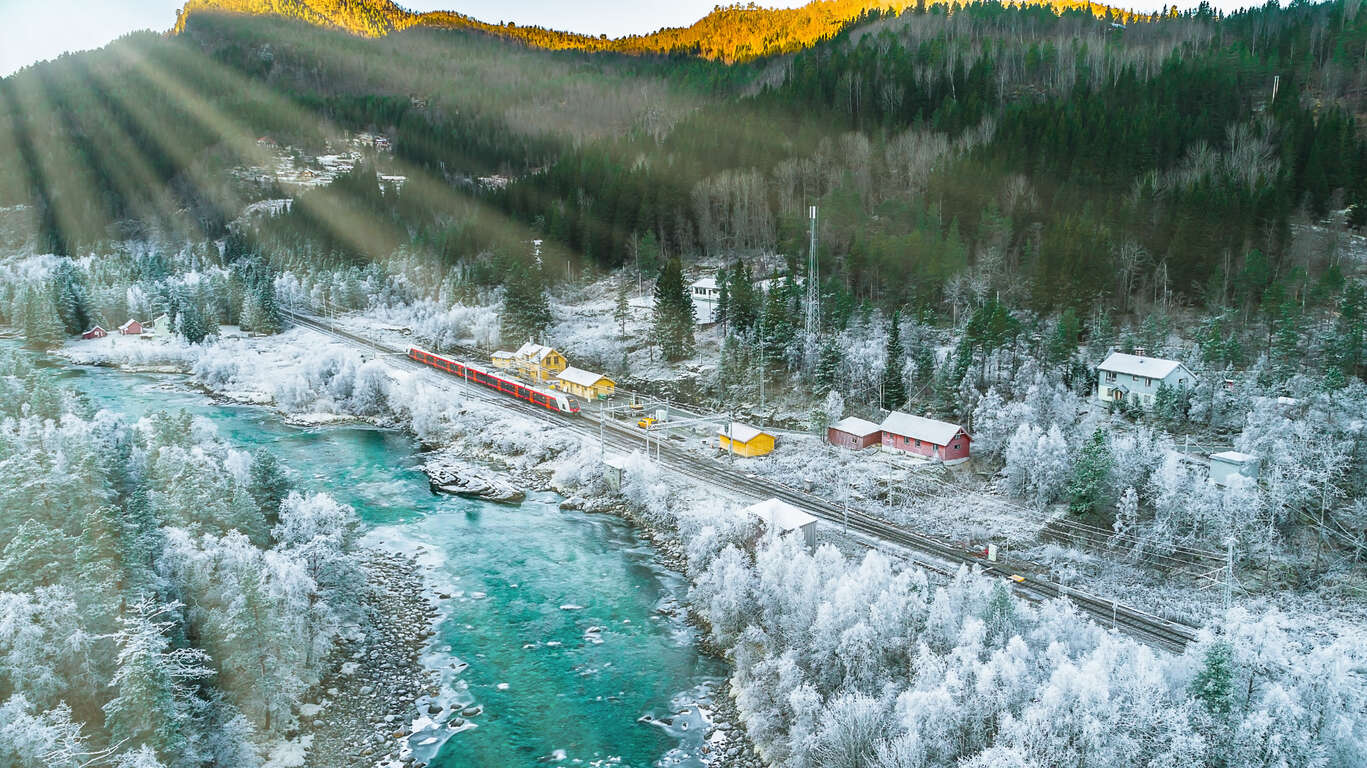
[(131, 328), (853, 433), (926, 437), (95, 333)]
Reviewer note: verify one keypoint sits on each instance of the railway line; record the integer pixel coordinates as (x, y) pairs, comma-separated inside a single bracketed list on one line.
[(1148, 628)]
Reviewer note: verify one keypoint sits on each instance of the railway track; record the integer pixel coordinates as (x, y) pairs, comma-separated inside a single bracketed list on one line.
[(1153, 630)]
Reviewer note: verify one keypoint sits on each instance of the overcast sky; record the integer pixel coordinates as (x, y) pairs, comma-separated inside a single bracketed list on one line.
[(34, 30)]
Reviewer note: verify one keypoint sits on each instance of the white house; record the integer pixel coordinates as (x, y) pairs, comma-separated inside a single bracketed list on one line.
[(780, 518), (1136, 378)]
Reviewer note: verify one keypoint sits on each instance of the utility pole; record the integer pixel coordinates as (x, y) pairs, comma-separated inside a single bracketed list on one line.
[(813, 281), (1229, 574)]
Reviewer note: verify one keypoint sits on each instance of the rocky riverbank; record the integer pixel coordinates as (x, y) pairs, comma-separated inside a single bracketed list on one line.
[(364, 707)]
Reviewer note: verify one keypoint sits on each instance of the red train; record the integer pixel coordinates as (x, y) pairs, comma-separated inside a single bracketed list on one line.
[(553, 401)]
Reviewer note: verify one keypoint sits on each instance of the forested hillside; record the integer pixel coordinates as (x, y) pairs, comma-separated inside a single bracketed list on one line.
[(730, 33)]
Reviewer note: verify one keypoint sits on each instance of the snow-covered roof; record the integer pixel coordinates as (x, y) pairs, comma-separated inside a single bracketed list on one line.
[(742, 433), (94, 328), (502, 353), (920, 428), (533, 350), (856, 426), (580, 376), (128, 325), (709, 283), (1135, 365), (1233, 457), (780, 515)]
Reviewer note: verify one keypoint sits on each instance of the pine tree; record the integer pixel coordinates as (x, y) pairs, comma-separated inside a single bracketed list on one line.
[(42, 327), (73, 303), (267, 485), (828, 366), (526, 312), (743, 300), (1088, 489), (190, 322), (269, 319), (894, 388), (776, 329), (674, 314), (1213, 685), (721, 313)]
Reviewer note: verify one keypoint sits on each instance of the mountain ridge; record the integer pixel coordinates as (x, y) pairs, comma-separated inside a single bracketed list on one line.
[(728, 33)]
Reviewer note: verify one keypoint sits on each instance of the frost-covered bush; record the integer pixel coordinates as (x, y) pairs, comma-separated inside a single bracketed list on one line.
[(863, 662)]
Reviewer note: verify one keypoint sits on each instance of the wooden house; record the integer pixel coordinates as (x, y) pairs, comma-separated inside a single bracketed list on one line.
[(95, 333), (1136, 378), (585, 384), (537, 362), (131, 328), (925, 437), (854, 433), (745, 440)]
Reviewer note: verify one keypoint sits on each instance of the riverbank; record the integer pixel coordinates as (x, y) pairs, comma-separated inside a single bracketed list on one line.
[(361, 713), (374, 708)]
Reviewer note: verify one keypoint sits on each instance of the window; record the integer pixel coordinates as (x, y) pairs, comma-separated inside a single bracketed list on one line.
[(956, 446), (1148, 382), (1110, 375), (918, 443)]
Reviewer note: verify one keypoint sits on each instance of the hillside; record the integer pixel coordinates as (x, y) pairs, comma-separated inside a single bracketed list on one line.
[(729, 33)]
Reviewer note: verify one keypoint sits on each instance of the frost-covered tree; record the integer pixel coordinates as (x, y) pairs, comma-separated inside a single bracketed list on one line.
[(154, 684), (268, 484)]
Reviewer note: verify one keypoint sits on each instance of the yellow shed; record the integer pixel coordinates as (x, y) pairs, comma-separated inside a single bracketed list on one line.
[(585, 384), (745, 440), (503, 359)]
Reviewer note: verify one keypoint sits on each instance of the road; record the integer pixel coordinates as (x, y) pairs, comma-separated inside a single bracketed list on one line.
[(714, 473)]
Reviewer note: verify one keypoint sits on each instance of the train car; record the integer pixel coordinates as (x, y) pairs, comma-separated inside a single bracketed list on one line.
[(543, 398)]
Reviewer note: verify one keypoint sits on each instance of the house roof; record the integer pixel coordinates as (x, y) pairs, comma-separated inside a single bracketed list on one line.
[(502, 353), (534, 351), (857, 426), (129, 324), (1135, 365), (94, 328), (742, 433), (780, 515), (580, 376), (1233, 457), (920, 428), (705, 282)]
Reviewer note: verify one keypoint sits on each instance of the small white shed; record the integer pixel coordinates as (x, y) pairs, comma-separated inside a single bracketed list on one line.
[(781, 517), (612, 471), (1227, 464)]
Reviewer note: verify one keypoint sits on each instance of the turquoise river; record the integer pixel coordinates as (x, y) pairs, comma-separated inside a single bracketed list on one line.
[(566, 619)]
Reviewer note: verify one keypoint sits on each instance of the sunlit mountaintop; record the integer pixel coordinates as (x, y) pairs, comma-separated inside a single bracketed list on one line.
[(729, 33)]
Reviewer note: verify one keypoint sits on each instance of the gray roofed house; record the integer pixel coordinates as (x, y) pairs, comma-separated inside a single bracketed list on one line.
[(1136, 378)]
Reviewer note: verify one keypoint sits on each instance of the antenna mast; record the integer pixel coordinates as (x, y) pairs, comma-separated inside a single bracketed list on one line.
[(813, 281)]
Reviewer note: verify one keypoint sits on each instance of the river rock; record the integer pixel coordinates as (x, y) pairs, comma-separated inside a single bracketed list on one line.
[(468, 481)]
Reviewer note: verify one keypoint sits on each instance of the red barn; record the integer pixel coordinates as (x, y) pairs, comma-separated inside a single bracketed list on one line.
[(95, 333), (853, 433), (926, 437), (131, 328)]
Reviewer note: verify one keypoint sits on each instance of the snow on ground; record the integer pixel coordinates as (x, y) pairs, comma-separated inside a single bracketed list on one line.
[(289, 753)]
